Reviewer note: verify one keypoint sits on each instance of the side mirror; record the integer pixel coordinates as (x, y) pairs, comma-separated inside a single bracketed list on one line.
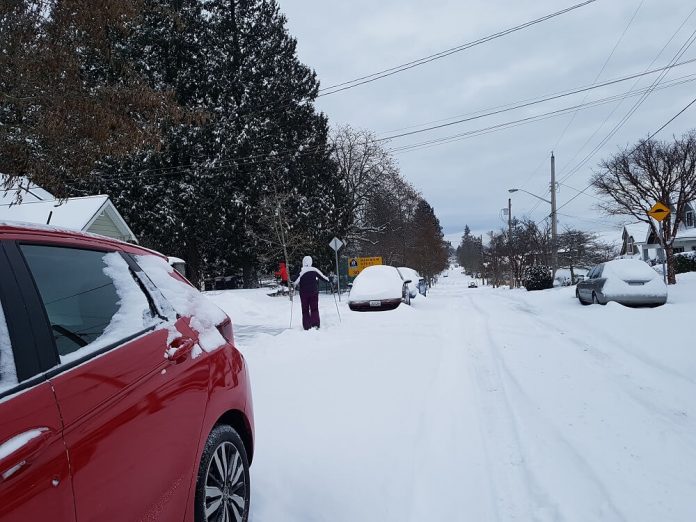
[(407, 282)]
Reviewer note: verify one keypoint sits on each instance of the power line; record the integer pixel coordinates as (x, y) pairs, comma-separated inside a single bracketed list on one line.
[(651, 136), (522, 105), (611, 113), (350, 84), (533, 119)]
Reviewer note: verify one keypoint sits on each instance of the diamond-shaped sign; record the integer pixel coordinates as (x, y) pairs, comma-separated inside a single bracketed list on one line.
[(659, 211), (336, 244)]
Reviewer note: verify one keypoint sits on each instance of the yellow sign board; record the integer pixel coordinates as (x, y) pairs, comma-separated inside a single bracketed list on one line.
[(358, 264), (659, 211)]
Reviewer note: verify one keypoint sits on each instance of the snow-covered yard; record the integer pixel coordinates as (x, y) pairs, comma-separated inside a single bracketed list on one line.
[(473, 405)]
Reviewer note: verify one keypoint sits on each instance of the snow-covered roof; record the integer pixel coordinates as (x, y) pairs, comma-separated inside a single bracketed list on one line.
[(27, 190), (638, 231), (74, 213)]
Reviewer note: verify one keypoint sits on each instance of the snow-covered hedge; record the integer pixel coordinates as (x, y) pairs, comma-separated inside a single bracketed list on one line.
[(538, 278), (685, 262)]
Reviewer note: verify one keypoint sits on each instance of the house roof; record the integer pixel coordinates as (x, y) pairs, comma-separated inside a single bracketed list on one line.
[(27, 190), (639, 231), (74, 213)]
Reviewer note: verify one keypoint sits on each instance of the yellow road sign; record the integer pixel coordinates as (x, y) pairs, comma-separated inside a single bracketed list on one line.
[(659, 211), (358, 264)]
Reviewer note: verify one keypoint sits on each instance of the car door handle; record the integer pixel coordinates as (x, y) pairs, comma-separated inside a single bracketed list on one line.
[(180, 349), (19, 451)]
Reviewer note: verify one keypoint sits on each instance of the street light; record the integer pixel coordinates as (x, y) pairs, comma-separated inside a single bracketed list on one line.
[(554, 222), (527, 192)]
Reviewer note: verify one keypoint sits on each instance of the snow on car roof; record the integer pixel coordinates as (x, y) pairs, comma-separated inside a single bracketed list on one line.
[(629, 269)]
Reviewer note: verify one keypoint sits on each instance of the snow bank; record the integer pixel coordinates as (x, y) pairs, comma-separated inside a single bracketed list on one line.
[(187, 301), (377, 282), (8, 374)]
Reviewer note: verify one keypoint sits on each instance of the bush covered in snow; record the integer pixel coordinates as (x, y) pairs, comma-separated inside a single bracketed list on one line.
[(685, 262), (538, 278)]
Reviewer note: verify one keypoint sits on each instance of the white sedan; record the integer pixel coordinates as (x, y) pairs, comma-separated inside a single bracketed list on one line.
[(379, 287)]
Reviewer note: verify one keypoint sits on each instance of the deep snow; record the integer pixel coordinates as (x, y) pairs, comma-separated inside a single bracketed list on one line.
[(473, 405)]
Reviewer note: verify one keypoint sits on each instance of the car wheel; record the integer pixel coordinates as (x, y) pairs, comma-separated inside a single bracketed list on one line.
[(577, 294), (222, 487)]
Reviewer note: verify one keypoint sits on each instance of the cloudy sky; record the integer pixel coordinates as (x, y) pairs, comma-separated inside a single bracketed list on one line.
[(467, 180)]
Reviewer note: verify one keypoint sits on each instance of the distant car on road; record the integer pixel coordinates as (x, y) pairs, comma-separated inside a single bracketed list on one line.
[(472, 284), (379, 287), (629, 282)]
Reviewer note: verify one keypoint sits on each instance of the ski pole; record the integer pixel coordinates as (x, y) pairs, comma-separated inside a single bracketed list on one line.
[(339, 313)]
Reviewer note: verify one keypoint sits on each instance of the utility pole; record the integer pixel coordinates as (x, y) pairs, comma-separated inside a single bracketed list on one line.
[(512, 281), (554, 218)]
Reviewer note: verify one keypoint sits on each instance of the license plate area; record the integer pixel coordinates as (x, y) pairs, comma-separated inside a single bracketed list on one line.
[(375, 304)]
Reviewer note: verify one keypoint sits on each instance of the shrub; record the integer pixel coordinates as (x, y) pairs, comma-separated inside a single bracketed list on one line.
[(685, 263), (538, 278)]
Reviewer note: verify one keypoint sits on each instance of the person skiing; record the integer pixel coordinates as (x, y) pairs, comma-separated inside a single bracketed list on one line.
[(307, 281)]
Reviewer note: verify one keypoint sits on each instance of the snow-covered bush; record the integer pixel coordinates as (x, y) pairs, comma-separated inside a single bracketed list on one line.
[(685, 262), (538, 278)]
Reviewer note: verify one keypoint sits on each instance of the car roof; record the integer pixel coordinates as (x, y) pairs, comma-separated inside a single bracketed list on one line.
[(16, 230)]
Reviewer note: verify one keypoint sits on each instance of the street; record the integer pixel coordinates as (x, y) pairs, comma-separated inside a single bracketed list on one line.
[(473, 404)]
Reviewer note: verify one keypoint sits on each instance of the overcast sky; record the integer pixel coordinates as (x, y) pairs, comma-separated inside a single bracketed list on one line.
[(466, 181)]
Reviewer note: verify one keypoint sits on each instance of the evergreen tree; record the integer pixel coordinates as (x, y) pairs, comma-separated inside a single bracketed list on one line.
[(430, 252)]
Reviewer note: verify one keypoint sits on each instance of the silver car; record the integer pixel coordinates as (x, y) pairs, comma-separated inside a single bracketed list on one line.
[(630, 282)]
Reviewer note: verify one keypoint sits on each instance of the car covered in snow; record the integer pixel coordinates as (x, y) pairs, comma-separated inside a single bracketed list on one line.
[(630, 282), (379, 287), (472, 284), (417, 284), (122, 395)]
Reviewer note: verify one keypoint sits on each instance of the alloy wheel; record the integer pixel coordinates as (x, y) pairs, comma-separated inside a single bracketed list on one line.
[(225, 487)]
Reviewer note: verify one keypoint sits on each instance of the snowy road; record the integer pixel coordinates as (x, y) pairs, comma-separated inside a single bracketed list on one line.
[(473, 405)]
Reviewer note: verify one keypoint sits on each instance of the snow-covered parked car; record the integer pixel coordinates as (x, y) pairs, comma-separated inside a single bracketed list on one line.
[(417, 283), (122, 395), (379, 287), (626, 281)]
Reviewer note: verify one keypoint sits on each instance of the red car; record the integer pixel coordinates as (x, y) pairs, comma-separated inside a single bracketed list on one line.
[(122, 396)]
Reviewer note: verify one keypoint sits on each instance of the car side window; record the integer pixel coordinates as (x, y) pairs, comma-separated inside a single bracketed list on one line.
[(598, 271), (90, 297), (8, 373)]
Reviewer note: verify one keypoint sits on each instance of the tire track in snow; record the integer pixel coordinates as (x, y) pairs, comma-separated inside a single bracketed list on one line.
[(578, 464), (517, 493)]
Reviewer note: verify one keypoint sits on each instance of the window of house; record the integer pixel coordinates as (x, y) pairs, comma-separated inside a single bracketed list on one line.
[(678, 250), (91, 298), (689, 219), (8, 373)]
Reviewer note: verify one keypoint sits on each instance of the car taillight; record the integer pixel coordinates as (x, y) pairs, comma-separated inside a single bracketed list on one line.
[(225, 329)]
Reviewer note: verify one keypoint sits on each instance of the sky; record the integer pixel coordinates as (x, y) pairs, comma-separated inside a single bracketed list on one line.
[(467, 180)]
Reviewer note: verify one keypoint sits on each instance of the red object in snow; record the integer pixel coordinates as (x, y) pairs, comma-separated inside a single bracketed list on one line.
[(282, 273)]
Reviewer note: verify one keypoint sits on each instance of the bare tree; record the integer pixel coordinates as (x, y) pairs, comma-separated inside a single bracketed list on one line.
[(363, 164), (635, 179)]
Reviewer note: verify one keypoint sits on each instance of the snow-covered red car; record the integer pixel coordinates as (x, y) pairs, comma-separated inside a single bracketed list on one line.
[(122, 396), (626, 281), (379, 287)]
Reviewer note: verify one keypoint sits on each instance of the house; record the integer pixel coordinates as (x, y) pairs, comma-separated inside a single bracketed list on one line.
[(638, 240), (93, 214)]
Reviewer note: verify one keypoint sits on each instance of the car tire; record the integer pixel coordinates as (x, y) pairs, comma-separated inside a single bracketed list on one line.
[(595, 300), (577, 294), (223, 478)]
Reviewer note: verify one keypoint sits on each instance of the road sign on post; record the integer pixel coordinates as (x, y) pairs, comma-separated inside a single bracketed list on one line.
[(336, 244), (659, 212)]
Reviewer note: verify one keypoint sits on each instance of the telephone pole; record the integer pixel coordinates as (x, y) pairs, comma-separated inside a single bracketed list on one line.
[(512, 282), (554, 219)]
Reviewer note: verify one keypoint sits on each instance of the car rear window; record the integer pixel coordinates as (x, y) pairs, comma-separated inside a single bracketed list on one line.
[(90, 297), (8, 373)]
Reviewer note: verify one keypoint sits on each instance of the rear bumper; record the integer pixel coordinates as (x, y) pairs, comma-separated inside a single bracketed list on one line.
[(364, 306), (637, 300)]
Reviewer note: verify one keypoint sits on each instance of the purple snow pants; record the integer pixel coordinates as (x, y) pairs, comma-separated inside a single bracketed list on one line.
[(310, 310)]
